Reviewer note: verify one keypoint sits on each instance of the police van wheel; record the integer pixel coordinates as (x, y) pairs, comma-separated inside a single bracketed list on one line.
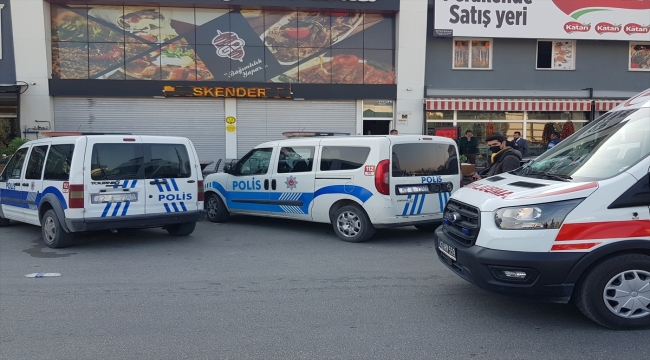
[(181, 229), (352, 224), (53, 234), (216, 209), (4, 222), (430, 227), (616, 293)]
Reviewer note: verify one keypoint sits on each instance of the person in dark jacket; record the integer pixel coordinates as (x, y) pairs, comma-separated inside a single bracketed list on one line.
[(503, 159), (468, 145), (519, 143), (555, 139)]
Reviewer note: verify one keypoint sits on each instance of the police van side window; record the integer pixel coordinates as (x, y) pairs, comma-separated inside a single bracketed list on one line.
[(57, 166), (343, 157), (116, 161), (255, 162), (424, 159), (36, 163), (167, 161), (14, 167), (296, 159)]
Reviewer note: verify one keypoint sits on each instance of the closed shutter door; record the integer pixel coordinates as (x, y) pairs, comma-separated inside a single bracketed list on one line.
[(200, 120), (259, 121)]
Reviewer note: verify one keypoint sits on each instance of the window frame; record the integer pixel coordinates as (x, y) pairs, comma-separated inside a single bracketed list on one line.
[(147, 157), (573, 58), (312, 148), (246, 157), (469, 59), (47, 160), (5, 171), (47, 149), (322, 151), (138, 151), (629, 56)]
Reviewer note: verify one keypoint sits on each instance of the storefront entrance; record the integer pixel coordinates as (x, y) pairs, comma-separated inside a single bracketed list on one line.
[(9, 124), (376, 127)]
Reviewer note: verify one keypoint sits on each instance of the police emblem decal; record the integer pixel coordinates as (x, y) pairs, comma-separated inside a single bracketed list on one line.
[(32, 186), (291, 183)]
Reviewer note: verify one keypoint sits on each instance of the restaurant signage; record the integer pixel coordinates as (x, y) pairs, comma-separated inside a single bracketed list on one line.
[(227, 92), (547, 19)]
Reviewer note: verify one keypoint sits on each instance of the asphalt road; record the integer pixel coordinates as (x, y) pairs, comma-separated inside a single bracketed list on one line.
[(258, 288)]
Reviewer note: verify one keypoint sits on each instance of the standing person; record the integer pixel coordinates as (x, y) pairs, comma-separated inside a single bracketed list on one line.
[(519, 143), (503, 159), (555, 139), (468, 145), (394, 132)]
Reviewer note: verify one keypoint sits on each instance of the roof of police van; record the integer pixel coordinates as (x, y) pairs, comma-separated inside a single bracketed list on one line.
[(73, 138), (356, 139)]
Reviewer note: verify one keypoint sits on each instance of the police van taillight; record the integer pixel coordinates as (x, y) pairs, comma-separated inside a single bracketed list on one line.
[(201, 191), (76, 197), (382, 177)]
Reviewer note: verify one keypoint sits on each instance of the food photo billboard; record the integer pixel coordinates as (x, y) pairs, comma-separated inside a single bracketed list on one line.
[(627, 20), (308, 46)]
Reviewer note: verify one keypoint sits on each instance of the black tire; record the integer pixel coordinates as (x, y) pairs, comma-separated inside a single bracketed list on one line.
[(592, 299), (181, 229), (217, 211), (430, 227), (351, 224), (4, 222), (53, 233)]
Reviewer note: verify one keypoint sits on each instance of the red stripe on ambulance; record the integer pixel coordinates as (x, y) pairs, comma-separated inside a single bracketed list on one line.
[(604, 230), (580, 246)]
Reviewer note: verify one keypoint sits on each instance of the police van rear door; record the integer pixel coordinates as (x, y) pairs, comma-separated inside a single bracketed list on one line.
[(424, 172), (114, 177), (170, 175)]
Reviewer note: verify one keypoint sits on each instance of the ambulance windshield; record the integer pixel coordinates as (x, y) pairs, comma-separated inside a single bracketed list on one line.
[(605, 148)]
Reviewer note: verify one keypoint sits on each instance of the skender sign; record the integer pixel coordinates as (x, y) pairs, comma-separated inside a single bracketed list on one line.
[(547, 19)]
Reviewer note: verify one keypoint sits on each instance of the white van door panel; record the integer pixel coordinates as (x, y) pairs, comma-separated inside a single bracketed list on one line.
[(249, 185), (114, 177), (33, 178), (422, 174), (12, 196), (171, 176), (292, 184)]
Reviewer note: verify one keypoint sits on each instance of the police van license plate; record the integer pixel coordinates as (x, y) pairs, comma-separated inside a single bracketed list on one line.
[(447, 249), (113, 198)]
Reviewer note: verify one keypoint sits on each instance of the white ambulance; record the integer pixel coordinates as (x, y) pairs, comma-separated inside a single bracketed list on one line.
[(98, 182), (356, 183), (574, 224)]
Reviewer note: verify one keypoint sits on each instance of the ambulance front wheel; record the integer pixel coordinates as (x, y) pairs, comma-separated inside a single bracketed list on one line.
[(217, 211), (616, 293), (352, 224), (53, 234)]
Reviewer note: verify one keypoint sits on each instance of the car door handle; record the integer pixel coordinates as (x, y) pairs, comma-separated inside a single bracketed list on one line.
[(25, 184), (163, 182), (191, 181), (17, 184), (266, 184), (273, 184)]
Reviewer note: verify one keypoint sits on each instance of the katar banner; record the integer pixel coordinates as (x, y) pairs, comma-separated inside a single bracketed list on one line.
[(544, 19)]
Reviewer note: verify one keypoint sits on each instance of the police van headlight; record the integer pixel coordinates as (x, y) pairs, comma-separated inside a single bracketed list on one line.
[(538, 216)]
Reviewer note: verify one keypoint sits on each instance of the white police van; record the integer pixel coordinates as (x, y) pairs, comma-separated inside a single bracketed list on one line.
[(356, 183), (572, 224), (96, 182)]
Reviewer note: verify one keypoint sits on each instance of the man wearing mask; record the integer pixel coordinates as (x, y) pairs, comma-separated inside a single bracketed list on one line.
[(503, 159), (519, 143)]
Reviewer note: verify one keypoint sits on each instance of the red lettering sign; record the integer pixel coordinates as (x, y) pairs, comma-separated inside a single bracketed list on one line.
[(605, 27), (633, 28), (574, 26)]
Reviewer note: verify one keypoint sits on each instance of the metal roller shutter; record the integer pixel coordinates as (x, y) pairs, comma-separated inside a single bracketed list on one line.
[(259, 121), (200, 120)]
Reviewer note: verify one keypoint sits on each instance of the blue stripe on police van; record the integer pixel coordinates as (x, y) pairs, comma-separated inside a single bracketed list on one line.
[(406, 206), (183, 206), (133, 183), (157, 181), (167, 208), (442, 206), (421, 204), (174, 184), (108, 207), (169, 188), (117, 208), (415, 203), (175, 207), (126, 208)]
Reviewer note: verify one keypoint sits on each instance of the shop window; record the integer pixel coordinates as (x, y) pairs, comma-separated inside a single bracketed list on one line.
[(378, 109), (58, 163), (538, 133), (558, 115), (296, 159), (639, 56), (440, 115), (556, 54), (433, 125), (36, 162), (343, 157), (482, 130), (482, 115), (472, 54)]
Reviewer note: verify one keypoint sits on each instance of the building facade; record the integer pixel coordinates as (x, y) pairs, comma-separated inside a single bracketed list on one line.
[(227, 74), (532, 66), (9, 89)]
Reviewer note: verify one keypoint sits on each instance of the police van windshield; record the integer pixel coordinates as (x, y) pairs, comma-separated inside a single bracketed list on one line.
[(605, 148)]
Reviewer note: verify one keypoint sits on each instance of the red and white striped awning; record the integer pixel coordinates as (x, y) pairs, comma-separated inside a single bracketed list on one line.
[(607, 105), (508, 104)]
